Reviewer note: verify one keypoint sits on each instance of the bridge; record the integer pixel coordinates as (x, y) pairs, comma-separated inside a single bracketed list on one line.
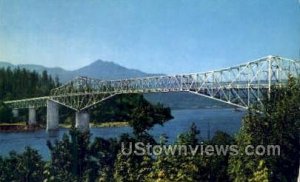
[(240, 86)]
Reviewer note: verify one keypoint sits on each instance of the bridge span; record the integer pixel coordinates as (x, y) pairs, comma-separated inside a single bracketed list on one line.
[(241, 86)]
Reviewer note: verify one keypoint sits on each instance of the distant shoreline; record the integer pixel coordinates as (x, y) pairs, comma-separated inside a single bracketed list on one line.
[(101, 125), (18, 127), (23, 127)]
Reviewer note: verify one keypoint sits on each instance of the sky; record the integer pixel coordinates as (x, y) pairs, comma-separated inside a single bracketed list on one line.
[(155, 36)]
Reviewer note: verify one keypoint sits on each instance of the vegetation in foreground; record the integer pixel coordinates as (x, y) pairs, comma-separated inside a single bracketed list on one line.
[(77, 158)]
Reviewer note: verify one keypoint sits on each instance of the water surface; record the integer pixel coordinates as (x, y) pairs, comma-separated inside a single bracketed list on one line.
[(207, 120)]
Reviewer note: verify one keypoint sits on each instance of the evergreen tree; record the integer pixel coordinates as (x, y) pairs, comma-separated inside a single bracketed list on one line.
[(27, 166), (5, 113), (277, 124), (21, 83)]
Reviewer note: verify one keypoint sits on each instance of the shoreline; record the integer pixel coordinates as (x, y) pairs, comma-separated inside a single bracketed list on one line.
[(101, 125), (23, 127), (18, 127)]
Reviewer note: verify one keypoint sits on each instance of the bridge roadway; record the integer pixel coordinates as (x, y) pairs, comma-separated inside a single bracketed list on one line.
[(242, 86)]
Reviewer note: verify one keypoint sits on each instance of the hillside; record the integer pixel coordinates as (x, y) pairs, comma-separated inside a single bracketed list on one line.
[(109, 70), (99, 69)]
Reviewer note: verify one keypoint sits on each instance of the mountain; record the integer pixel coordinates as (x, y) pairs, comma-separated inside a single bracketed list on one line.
[(109, 70), (62, 74), (5, 65), (99, 69)]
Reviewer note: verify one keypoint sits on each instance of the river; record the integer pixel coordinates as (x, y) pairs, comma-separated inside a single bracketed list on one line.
[(207, 120)]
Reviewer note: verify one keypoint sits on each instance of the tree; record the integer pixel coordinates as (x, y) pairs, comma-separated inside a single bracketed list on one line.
[(21, 83), (262, 173), (145, 116), (218, 164), (5, 113), (27, 166), (133, 167), (75, 157), (178, 165), (277, 124), (71, 157), (132, 108)]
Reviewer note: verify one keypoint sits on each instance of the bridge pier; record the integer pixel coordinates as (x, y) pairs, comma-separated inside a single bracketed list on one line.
[(15, 112), (32, 116), (52, 115), (82, 121)]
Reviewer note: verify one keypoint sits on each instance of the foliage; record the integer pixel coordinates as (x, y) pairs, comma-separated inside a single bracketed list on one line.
[(76, 158), (198, 167), (278, 124), (262, 173), (5, 113), (133, 108), (21, 83), (27, 166), (133, 167), (145, 116), (177, 167)]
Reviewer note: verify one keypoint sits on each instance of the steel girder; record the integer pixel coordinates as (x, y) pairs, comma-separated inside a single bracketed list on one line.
[(28, 103), (241, 85)]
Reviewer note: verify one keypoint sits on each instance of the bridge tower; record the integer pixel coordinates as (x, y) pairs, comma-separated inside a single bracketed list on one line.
[(82, 120), (32, 116), (15, 112), (52, 115)]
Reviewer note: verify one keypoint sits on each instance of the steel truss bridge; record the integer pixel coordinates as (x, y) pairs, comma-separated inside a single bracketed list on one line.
[(241, 86)]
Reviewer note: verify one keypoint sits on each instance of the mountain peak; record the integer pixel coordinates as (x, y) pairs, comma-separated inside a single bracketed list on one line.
[(109, 70), (101, 62), (100, 69)]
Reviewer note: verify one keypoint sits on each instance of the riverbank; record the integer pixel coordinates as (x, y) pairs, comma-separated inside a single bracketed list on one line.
[(18, 127), (110, 124), (22, 126), (101, 125)]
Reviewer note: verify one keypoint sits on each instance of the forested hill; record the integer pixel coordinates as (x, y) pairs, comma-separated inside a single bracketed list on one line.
[(21, 83), (100, 69)]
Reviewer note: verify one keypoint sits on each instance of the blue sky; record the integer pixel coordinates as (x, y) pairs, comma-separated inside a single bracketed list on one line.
[(165, 36)]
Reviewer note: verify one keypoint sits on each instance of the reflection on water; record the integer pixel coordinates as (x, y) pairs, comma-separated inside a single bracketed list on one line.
[(207, 120), (53, 134)]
